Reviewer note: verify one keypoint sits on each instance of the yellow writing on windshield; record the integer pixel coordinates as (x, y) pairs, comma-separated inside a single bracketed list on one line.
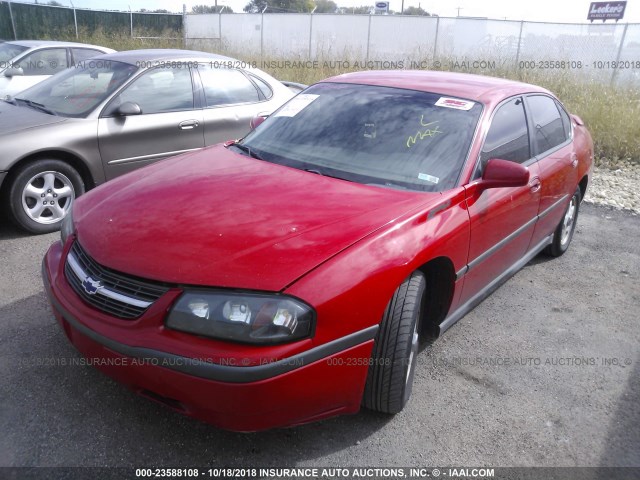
[(424, 133)]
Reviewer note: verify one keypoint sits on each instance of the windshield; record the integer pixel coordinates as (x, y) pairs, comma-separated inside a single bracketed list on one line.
[(382, 136), (9, 51), (77, 91)]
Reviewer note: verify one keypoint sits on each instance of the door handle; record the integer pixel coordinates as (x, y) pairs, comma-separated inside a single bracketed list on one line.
[(188, 125), (535, 184), (574, 160)]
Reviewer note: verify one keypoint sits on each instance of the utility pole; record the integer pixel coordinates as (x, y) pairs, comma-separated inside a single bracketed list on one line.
[(459, 8)]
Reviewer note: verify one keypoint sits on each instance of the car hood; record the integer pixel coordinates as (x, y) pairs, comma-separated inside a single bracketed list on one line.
[(219, 218), (14, 118)]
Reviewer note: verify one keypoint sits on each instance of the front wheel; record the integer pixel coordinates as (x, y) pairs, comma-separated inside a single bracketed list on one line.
[(41, 194), (564, 231), (393, 360)]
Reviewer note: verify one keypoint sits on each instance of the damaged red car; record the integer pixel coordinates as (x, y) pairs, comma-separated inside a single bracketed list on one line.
[(291, 275)]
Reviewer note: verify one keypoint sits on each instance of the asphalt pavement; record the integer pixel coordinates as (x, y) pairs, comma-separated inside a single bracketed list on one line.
[(545, 372)]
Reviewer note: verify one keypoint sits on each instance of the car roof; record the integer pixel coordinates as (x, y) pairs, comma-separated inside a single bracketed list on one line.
[(157, 55), (44, 43), (487, 90)]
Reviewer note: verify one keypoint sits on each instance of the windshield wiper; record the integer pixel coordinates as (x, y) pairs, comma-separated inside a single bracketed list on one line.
[(389, 185), (9, 99), (246, 150), (37, 106), (318, 172)]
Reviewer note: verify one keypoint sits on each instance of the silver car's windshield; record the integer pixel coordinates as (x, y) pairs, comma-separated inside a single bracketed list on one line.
[(9, 51), (77, 91)]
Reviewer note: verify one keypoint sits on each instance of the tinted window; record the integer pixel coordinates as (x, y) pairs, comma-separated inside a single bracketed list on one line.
[(224, 86), (82, 54), (388, 137), (508, 136), (548, 128), (45, 62), (160, 90), (566, 121)]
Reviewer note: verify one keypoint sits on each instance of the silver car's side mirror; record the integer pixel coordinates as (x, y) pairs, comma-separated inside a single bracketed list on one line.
[(13, 72), (129, 108)]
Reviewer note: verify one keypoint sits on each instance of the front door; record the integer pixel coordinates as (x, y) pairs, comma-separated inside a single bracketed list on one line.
[(168, 125), (502, 220)]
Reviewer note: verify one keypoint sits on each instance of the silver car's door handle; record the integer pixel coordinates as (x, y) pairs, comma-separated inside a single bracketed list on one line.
[(188, 124)]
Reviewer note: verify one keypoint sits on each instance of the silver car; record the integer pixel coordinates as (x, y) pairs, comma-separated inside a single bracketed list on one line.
[(115, 113), (23, 63)]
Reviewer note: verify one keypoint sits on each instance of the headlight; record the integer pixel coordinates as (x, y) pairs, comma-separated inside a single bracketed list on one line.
[(67, 227), (242, 317)]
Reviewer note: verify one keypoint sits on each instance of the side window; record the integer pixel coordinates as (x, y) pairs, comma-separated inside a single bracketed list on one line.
[(263, 86), (566, 121), (508, 135), (224, 86), (547, 124), (82, 54), (159, 90), (44, 62)]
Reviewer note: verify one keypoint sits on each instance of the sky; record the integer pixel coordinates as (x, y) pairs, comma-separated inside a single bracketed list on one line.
[(569, 11)]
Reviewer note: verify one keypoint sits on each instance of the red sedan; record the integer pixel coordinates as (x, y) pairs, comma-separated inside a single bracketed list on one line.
[(290, 276)]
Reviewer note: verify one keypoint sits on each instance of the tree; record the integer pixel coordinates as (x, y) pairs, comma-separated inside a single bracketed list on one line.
[(55, 4), (157, 10), (364, 10), (211, 9), (279, 6), (326, 6), (415, 11)]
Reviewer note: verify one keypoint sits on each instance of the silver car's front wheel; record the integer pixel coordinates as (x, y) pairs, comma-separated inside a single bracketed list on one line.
[(47, 197), (41, 194)]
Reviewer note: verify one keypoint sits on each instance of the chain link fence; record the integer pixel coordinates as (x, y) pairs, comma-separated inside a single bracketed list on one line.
[(607, 53), (31, 21)]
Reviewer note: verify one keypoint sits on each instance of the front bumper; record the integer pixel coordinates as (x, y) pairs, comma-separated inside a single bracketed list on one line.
[(321, 382)]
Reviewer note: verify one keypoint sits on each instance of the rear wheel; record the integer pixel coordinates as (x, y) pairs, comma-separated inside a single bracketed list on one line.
[(390, 376), (564, 231), (41, 194)]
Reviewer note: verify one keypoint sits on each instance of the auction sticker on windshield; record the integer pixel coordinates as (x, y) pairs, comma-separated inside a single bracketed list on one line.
[(296, 105), (454, 103)]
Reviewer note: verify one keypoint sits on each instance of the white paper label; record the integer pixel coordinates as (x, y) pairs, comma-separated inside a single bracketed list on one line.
[(296, 105)]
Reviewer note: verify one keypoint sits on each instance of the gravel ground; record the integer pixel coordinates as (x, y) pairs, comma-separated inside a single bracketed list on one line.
[(567, 397), (616, 184)]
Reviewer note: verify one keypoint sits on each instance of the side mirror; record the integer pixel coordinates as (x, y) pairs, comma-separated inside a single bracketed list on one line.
[(503, 173), (256, 121), (129, 108), (13, 72)]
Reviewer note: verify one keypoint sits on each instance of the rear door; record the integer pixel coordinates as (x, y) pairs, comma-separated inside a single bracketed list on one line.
[(169, 124), (553, 146), (502, 220), (231, 98)]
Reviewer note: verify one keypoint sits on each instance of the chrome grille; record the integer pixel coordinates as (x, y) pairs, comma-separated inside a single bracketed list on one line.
[(112, 292)]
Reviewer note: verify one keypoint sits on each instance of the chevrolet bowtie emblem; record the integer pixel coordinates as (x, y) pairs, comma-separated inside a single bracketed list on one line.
[(91, 286)]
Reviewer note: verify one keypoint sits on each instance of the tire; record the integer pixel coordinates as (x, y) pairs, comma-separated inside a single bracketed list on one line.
[(564, 231), (393, 360), (52, 181)]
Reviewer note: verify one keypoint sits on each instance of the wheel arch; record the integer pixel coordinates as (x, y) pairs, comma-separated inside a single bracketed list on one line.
[(583, 186), (73, 160), (440, 276)]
